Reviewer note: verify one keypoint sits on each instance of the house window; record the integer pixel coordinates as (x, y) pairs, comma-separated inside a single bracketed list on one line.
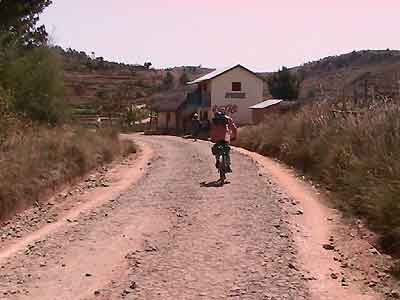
[(236, 86)]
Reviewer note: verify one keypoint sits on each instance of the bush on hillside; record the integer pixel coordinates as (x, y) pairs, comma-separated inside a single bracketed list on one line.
[(34, 79), (183, 80), (168, 81), (284, 85), (135, 114), (9, 121), (354, 154)]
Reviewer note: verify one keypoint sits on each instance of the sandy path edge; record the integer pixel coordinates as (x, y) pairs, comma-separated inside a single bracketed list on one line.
[(315, 225), (126, 176)]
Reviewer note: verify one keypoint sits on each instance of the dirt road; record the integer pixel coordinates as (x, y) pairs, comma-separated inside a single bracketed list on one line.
[(167, 232)]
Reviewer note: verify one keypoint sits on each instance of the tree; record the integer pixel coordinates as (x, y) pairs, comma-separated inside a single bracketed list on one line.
[(135, 114), (35, 82), (284, 85), (113, 102), (168, 81), (108, 104), (18, 21), (147, 65), (183, 79)]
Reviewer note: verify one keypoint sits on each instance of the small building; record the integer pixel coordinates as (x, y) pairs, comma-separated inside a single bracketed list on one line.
[(232, 89), (261, 110), (166, 111)]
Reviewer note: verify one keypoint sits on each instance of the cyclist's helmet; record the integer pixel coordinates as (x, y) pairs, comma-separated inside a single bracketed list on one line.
[(220, 118)]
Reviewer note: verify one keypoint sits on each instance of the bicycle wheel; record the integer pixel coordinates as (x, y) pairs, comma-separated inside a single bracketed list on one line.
[(222, 176)]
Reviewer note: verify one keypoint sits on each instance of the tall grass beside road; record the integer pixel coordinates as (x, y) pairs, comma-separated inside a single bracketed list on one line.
[(352, 150), (38, 159)]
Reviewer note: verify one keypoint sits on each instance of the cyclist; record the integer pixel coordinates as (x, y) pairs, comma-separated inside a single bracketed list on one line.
[(223, 131)]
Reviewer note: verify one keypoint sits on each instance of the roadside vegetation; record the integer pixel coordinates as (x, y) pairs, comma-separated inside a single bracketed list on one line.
[(38, 160), (352, 149), (39, 148), (284, 85)]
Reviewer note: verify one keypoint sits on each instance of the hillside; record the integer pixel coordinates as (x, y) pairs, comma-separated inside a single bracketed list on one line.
[(96, 87), (358, 74)]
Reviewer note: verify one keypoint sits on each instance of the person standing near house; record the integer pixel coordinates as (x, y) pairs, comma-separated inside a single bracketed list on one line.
[(223, 131), (195, 126), (98, 122)]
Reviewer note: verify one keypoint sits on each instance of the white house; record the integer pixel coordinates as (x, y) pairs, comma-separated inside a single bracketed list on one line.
[(233, 89)]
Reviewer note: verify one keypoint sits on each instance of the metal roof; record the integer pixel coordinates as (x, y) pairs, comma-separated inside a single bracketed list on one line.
[(217, 73), (266, 103)]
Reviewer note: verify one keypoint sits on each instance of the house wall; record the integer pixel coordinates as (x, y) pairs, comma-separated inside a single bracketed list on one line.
[(164, 123), (237, 108)]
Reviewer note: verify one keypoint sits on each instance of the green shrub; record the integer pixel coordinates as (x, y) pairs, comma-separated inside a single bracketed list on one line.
[(284, 85), (34, 79)]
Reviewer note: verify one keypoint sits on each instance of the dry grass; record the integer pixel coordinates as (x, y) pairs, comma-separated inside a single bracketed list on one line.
[(38, 159), (355, 155)]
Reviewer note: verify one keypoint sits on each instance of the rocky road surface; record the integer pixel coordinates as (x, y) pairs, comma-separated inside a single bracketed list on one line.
[(170, 233)]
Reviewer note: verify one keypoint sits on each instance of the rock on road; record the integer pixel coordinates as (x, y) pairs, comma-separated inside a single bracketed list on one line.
[(171, 235)]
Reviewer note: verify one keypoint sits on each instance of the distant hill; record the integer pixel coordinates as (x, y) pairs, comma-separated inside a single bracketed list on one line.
[(96, 87), (358, 74)]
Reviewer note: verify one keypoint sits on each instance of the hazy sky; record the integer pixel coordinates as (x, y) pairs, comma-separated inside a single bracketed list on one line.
[(260, 34)]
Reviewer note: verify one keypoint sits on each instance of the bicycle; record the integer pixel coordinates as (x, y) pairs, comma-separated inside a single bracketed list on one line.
[(221, 152)]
